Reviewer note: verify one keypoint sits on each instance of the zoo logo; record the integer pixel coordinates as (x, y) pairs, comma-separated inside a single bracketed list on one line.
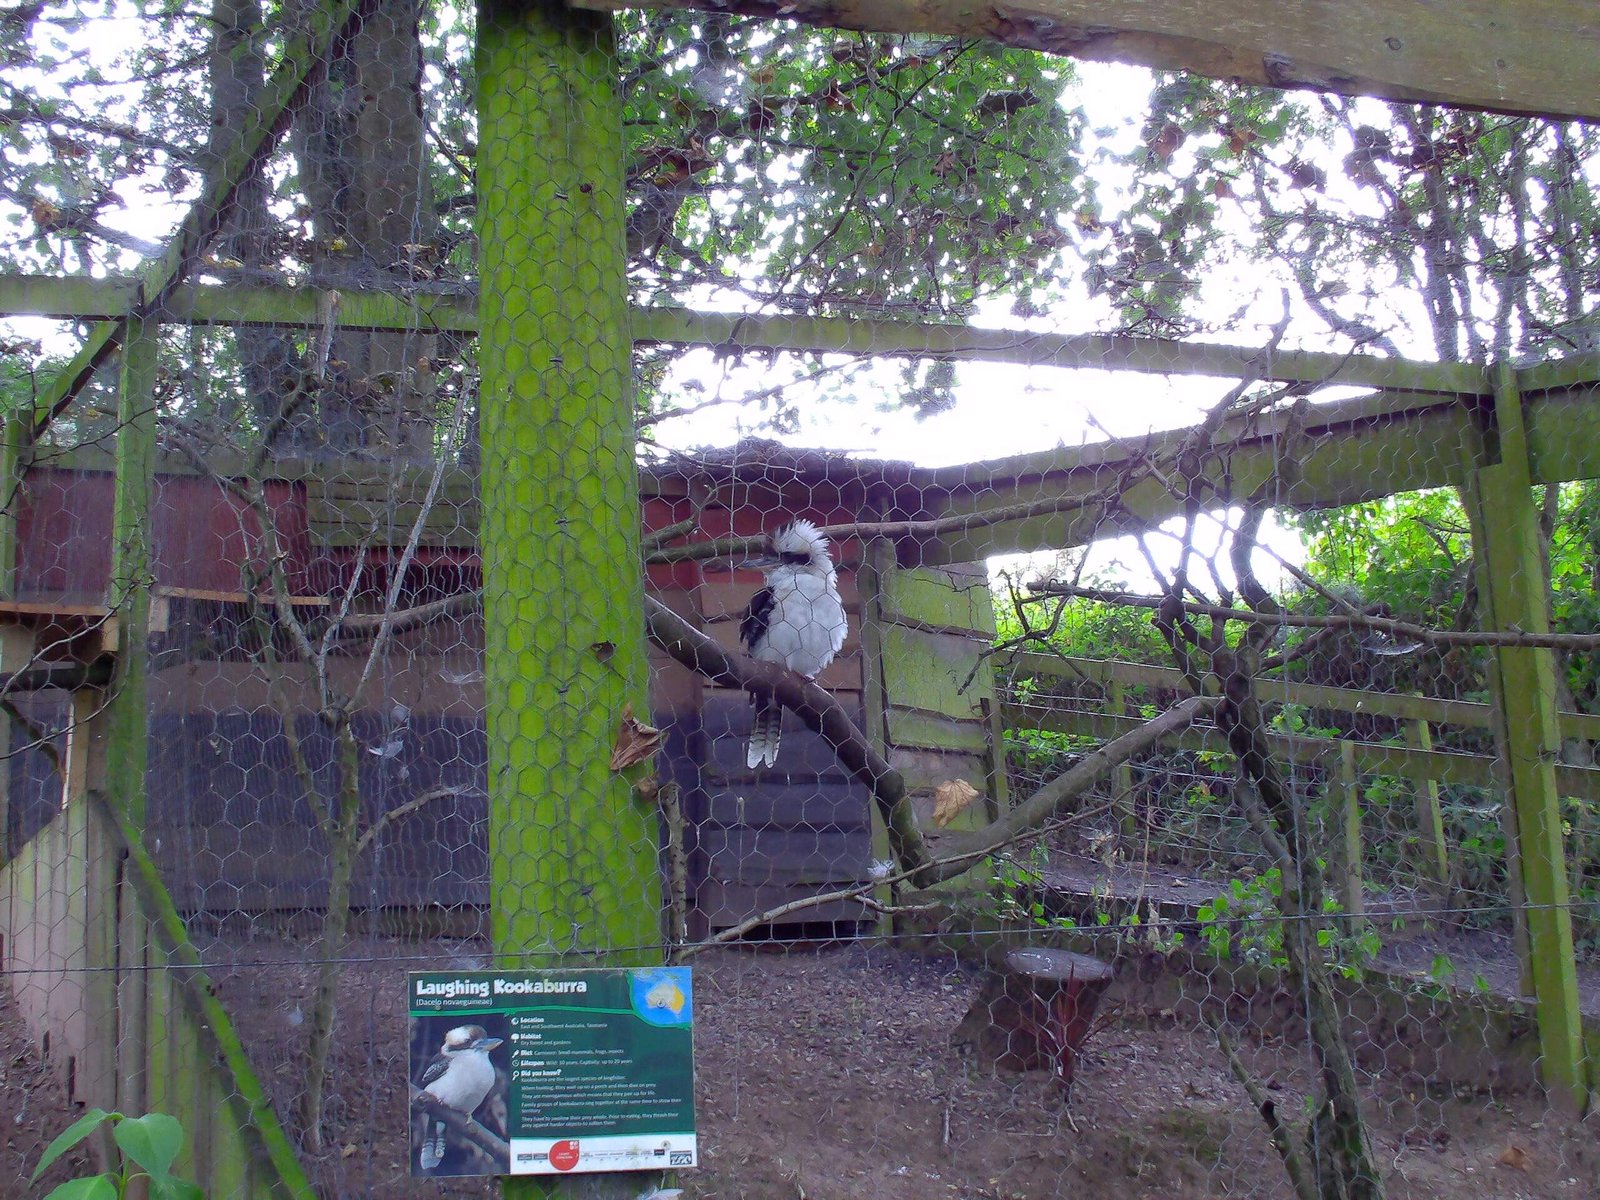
[(680, 1158), (564, 1155)]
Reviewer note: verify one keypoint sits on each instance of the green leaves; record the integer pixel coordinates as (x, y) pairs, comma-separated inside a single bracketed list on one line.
[(151, 1141), (90, 1187), (71, 1136), (149, 1144)]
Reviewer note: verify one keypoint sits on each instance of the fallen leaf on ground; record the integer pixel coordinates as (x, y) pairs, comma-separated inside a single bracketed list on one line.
[(1513, 1156)]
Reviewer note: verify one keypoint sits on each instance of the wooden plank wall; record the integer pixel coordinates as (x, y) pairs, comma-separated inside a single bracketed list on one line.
[(768, 836), (941, 718), (91, 980)]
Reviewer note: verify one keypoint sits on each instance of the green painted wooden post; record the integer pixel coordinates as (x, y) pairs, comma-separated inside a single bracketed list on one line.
[(1122, 801), (573, 852), (1433, 851), (132, 567), (16, 426), (1505, 519), (1350, 883), (123, 749)]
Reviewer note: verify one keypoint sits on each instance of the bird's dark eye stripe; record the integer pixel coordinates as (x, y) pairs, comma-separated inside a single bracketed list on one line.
[(795, 556)]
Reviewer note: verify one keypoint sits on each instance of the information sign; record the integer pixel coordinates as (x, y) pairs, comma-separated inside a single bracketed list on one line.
[(564, 1071)]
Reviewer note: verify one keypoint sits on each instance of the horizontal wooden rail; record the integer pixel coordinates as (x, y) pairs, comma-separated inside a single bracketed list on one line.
[(1372, 758), (1103, 672), (1532, 56), (454, 307)]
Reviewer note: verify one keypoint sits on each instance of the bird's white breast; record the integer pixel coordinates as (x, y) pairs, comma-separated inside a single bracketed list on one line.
[(466, 1083), (806, 626)]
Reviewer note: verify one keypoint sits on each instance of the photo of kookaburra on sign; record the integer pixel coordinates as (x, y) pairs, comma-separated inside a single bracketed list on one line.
[(460, 1082), (554, 1072)]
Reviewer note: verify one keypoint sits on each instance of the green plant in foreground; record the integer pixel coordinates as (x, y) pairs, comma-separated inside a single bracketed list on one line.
[(149, 1146)]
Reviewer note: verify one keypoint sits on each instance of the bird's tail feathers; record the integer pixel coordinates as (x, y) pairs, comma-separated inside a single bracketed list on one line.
[(766, 727)]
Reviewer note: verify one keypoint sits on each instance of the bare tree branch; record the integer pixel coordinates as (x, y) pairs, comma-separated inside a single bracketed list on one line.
[(462, 1125)]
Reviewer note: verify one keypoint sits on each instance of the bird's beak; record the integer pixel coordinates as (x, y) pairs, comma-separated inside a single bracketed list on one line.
[(487, 1043), (759, 562)]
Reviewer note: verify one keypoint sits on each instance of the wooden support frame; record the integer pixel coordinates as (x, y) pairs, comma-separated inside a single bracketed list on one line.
[(573, 862), (1432, 851), (1523, 56), (1505, 527), (306, 53)]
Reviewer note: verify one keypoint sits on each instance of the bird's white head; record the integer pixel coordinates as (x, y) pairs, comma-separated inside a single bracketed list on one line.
[(469, 1037), (799, 544)]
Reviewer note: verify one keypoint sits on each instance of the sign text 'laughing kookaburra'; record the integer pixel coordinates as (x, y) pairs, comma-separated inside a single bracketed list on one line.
[(460, 1076), (796, 620)]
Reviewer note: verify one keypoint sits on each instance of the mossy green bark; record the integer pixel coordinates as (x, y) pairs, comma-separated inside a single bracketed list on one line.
[(132, 570), (573, 852)]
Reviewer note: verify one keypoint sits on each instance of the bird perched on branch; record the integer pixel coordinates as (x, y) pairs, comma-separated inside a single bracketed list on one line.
[(460, 1076), (796, 620)]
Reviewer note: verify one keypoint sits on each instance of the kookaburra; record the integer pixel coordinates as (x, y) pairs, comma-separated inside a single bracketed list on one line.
[(796, 620), (461, 1076)]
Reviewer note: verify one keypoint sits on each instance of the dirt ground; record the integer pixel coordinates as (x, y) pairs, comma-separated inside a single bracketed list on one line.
[(826, 1073), (33, 1109)]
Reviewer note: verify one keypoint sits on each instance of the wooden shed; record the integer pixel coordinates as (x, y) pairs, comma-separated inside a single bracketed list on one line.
[(909, 673), (225, 819)]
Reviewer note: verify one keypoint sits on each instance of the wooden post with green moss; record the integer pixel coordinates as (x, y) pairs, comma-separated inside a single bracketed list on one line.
[(573, 851), (1433, 850), (1352, 890), (124, 723), (1505, 525), (132, 570), (1122, 802)]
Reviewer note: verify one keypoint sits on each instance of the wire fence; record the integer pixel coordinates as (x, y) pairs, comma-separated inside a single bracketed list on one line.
[(1077, 629)]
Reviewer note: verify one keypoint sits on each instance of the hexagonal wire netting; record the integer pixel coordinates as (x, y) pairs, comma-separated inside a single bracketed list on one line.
[(1062, 594)]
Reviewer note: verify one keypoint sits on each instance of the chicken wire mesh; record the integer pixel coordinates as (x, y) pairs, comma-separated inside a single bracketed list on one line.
[(1165, 815)]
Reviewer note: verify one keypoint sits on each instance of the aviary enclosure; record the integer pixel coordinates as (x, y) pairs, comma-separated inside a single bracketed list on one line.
[(1202, 800)]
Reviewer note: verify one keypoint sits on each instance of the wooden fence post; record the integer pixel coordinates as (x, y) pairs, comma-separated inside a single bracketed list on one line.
[(124, 747), (1433, 852), (573, 851), (1122, 780), (1505, 531), (1350, 844)]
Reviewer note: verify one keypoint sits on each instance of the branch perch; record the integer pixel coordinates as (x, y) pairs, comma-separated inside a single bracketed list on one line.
[(819, 710)]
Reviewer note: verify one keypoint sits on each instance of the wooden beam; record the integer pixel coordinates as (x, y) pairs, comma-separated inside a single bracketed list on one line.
[(1110, 352), (306, 53), (1328, 455), (1505, 529), (1522, 56), (454, 309), (1105, 671)]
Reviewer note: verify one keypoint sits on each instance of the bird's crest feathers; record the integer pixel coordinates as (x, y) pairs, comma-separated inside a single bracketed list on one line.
[(800, 537)]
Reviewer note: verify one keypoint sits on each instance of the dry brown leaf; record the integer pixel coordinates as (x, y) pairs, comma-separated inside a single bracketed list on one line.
[(636, 741), (950, 799), (1513, 1156)]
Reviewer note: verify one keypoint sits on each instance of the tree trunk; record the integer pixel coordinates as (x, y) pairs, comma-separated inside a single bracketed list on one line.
[(267, 356), (1343, 1161), (362, 151), (341, 831), (1036, 1012)]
